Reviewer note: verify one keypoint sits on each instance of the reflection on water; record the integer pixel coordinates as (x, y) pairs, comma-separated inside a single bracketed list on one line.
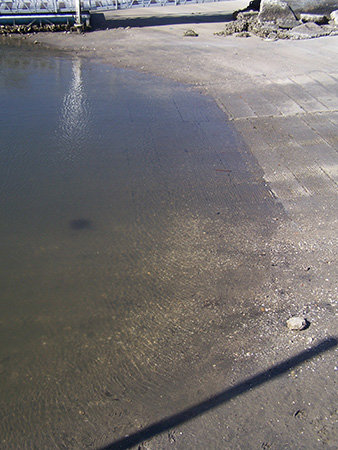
[(74, 116), (131, 220)]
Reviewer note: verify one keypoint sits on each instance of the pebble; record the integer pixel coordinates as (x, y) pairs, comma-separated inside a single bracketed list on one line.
[(334, 17), (191, 33), (296, 323)]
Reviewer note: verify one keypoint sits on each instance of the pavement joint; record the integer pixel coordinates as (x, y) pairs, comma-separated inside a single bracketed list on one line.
[(278, 116)]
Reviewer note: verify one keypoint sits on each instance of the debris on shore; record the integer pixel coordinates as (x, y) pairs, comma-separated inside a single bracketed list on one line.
[(296, 323), (34, 28), (274, 19), (190, 33)]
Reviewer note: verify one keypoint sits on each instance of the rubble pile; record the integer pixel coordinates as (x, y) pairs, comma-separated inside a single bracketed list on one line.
[(275, 19)]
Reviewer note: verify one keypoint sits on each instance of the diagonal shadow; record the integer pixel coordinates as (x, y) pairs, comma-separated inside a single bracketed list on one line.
[(98, 21), (223, 397)]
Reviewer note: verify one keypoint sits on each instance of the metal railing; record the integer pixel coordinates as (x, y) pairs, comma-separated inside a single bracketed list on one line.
[(60, 6)]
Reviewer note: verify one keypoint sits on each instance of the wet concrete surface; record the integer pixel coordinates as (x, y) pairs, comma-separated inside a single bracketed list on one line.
[(281, 100), (133, 248)]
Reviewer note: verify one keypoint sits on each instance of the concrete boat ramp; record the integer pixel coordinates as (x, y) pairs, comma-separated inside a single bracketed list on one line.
[(282, 97)]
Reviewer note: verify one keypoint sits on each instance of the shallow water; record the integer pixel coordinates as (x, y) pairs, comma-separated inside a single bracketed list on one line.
[(130, 216)]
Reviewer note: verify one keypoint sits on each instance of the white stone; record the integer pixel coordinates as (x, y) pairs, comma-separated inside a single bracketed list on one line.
[(296, 323), (334, 16)]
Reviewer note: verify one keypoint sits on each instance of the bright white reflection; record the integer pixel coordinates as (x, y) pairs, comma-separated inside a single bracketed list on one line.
[(74, 119)]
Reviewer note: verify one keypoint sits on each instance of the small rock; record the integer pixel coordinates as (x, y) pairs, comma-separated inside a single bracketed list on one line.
[(191, 33), (296, 323), (249, 14), (319, 19), (334, 17), (243, 34), (307, 30)]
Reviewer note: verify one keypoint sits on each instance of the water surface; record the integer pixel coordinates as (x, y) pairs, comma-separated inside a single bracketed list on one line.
[(131, 219)]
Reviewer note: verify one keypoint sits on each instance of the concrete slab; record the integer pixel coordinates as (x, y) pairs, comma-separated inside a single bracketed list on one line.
[(260, 104), (283, 102), (317, 90), (301, 96), (326, 80), (236, 106), (325, 126)]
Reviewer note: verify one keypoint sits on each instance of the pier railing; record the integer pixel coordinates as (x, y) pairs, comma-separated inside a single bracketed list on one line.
[(60, 6)]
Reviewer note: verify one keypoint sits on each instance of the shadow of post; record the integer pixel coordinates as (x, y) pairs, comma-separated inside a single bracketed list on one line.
[(223, 397)]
